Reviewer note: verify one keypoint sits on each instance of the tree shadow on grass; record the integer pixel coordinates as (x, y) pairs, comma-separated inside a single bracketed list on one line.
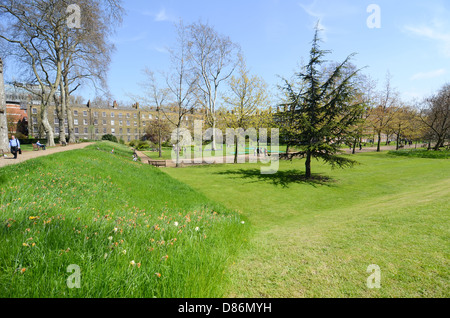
[(281, 178)]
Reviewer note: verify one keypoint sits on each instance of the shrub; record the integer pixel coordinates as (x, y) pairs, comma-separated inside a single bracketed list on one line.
[(444, 154), (109, 138)]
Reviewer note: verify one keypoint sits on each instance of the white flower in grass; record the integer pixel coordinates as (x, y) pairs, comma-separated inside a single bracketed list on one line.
[(132, 263), (115, 229), (124, 252), (242, 222), (197, 228), (110, 238), (176, 223)]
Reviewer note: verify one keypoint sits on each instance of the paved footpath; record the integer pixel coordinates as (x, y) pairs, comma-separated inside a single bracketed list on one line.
[(27, 155)]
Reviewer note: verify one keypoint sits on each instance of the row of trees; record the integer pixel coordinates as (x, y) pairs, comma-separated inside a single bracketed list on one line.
[(59, 46), (323, 107)]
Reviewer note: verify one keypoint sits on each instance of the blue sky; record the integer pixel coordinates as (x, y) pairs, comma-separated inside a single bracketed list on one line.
[(413, 43)]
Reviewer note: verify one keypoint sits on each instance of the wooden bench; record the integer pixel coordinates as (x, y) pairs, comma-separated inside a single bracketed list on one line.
[(158, 163), (36, 147)]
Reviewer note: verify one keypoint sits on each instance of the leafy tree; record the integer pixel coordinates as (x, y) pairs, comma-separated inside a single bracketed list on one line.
[(247, 96), (325, 111)]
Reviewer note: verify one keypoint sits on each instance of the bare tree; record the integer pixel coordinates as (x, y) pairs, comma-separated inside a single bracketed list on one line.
[(157, 96), (215, 57), (435, 115), (31, 28), (182, 83)]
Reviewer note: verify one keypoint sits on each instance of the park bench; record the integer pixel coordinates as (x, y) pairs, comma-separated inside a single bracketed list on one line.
[(158, 163), (36, 147)]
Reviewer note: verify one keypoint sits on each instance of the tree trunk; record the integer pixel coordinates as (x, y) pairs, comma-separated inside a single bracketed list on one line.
[(308, 165), (287, 149), (379, 142), (236, 139), (159, 141), (4, 140), (398, 141), (47, 127)]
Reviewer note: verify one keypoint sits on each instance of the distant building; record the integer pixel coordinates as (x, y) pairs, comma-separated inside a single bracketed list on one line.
[(89, 121)]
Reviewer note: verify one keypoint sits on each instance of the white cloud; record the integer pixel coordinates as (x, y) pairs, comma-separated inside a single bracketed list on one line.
[(322, 10), (161, 16), (436, 32), (428, 75)]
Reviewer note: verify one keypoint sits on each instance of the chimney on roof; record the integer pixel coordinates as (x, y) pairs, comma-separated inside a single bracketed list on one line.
[(115, 105)]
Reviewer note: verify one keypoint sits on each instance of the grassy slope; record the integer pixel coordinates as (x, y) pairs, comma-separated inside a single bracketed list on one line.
[(61, 210), (314, 240)]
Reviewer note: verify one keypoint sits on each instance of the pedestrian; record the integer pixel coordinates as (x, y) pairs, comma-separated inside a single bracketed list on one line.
[(14, 144)]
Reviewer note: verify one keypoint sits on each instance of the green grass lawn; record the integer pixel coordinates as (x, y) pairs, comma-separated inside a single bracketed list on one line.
[(167, 152), (312, 239), (132, 230)]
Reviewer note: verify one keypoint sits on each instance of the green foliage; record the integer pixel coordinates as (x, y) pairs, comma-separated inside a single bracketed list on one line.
[(420, 153), (109, 137), (140, 144), (322, 110)]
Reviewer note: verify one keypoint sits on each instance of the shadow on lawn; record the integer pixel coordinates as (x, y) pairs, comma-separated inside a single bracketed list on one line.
[(281, 178)]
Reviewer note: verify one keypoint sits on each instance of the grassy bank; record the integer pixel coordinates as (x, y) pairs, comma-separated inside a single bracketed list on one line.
[(131, 230), (316, 239)]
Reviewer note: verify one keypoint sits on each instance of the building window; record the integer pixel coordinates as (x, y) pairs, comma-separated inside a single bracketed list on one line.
[(128, 131), (95, 122), (150, 116), (56, 121), (120, 115), (129, 138), (67, 130), (85, 122), (85, 131), (76, 130), (136, 137), (34, 120), (120, 122), (104, 130), (85, 113), (95, 114), (121, 131), (35, 129), (128, 115), (104, 114), (113, 131), (112, 115), (135, 131), (34, 111), (65, 121), (75, 121), (112, 123), (56, 130), (128, 123), (135, 115), (143, 123), (55, 113), (104, 122), (96, 131), (75, 112)]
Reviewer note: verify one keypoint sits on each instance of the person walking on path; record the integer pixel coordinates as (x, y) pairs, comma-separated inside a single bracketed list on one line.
[(14, 144)]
